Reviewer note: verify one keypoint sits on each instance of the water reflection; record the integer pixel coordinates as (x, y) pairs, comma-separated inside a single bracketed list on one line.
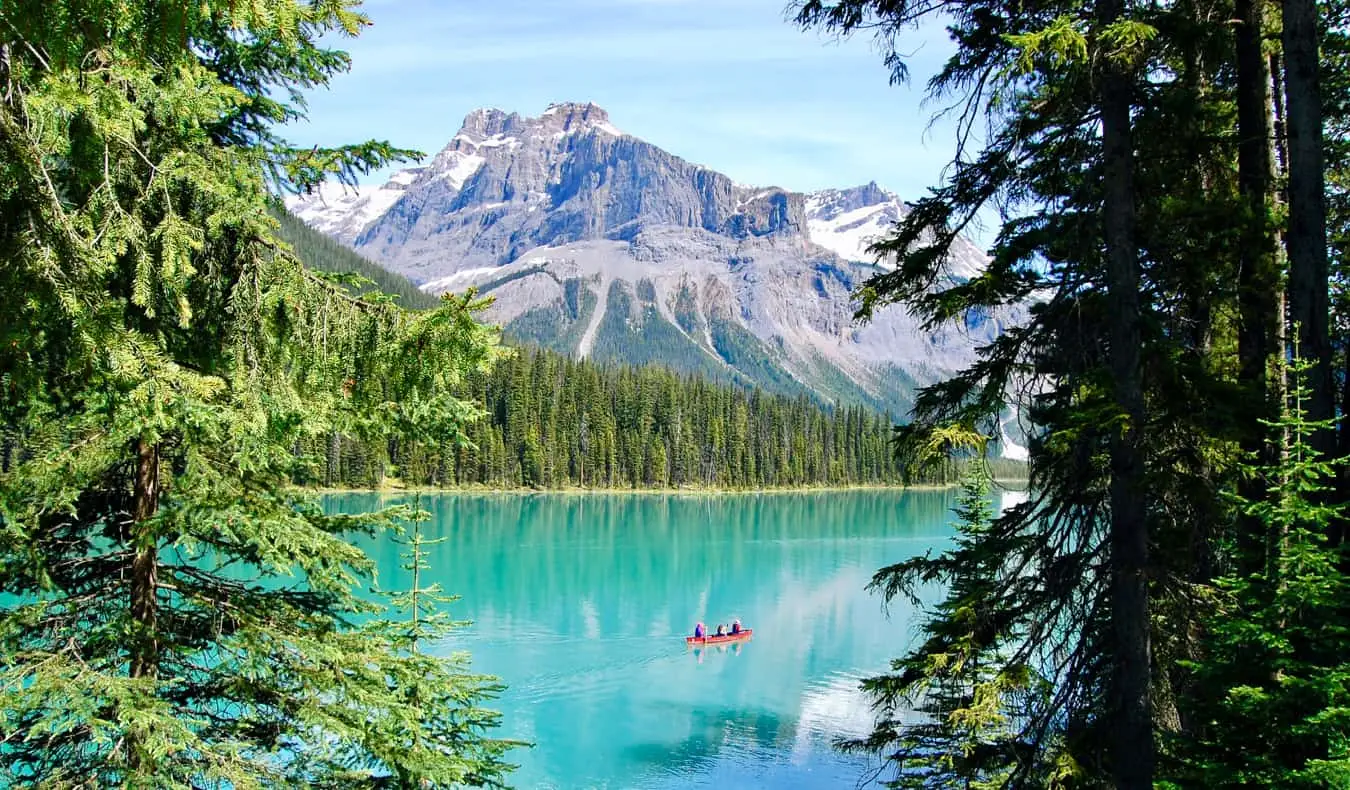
[(581, 603), (735, 649)]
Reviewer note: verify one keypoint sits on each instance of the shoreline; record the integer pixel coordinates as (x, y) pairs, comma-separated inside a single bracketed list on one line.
[(480, 490)]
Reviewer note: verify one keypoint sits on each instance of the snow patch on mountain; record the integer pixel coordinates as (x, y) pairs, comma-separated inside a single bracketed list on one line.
[(848, 235), (495, 141), (343, 211), (847, 221), (1010, 448), (457, 280), (452, 167)]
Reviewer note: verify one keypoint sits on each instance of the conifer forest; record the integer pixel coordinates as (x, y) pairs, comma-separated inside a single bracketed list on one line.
[(183, 367), (553, 422)]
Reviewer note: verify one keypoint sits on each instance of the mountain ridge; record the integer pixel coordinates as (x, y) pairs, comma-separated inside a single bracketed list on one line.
[(598, 243)]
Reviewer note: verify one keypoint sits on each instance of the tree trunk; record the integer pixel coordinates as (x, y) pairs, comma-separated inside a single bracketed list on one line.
[(1279, 385), (1258, 267), (1132, 730), (1258, 277), (1344, 433), (144, 582), (1275, 72), (1307, 237), (145, 562)]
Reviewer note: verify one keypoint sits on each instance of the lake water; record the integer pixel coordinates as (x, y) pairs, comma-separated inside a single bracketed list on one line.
[(580, 603)]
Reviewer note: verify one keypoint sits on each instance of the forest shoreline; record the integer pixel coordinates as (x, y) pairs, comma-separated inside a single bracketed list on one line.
[(1014, 483)]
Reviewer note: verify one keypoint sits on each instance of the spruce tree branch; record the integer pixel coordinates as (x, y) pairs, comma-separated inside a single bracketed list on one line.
[(16, 142)]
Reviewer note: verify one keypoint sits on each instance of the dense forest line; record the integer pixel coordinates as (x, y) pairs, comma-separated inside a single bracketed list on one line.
[(551, 421)]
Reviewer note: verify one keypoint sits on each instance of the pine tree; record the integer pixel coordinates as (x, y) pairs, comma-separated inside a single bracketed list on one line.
[(177, 612), (1109, 153), (944, 713), (439, 695), (531, 461), (1274, 701)]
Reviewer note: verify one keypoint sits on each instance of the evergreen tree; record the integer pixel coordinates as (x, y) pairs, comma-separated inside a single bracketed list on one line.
[(1273, 703), (944, 715), (531, 462), (1111, 154), (435, 690), (177, 614)]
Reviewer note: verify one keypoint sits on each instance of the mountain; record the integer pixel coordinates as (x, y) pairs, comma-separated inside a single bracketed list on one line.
[(598, 244)]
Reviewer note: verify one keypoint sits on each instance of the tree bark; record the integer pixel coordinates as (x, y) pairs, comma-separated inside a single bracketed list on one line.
[(1309, 304), (1344, 433), (1276, 71), (144, 582), (1258, 276), (145, 561), (1258, 266), (1132, 730), (1279, 383)]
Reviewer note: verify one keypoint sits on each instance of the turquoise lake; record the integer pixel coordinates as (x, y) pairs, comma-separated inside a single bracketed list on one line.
[(580, 604)]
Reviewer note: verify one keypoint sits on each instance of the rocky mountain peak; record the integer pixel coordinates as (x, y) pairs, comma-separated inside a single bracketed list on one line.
[(568, 117), (514, 143), (489, 122), (490, 126), (507, 183)]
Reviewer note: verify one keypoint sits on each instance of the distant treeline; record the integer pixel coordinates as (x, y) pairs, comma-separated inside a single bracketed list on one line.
[(555, 422)]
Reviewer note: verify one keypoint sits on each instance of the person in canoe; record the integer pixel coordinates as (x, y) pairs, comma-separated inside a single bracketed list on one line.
[(699, 631), (721, 629), (736, 626)]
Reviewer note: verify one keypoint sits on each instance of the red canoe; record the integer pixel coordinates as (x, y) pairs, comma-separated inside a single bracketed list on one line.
[(699, 641)]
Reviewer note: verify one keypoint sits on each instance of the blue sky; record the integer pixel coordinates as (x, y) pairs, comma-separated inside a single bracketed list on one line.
[(730, 84)]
